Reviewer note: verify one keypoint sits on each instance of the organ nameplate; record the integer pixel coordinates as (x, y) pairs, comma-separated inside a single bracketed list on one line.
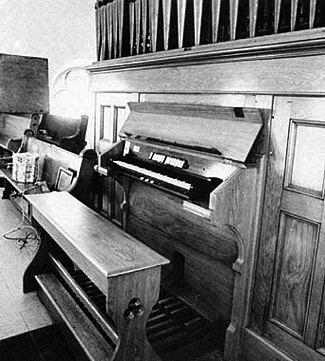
[(167, 160)]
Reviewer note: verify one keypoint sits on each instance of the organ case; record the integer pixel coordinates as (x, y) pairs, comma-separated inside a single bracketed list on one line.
[(186, 180)]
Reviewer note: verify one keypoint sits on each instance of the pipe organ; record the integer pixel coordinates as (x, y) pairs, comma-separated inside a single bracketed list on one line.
[(133, 27)]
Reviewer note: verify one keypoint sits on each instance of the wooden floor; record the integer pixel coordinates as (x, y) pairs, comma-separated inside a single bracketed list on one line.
[(27, 332)]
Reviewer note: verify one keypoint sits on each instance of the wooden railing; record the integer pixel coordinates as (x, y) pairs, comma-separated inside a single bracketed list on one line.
[(133, 27)]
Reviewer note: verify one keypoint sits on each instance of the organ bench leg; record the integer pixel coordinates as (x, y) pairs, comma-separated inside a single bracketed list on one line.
[(130, 300)]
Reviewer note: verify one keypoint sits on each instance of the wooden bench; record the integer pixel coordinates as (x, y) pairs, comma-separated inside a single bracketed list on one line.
[(65, 132), (52, 161), (125, 270)]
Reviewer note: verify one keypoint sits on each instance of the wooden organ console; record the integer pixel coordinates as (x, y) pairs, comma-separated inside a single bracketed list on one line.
[(168, 287)]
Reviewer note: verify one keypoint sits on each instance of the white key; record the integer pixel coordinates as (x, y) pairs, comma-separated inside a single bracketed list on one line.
[(149, 173)]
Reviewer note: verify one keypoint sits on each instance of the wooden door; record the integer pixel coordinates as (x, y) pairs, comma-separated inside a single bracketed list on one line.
[(288, 301)]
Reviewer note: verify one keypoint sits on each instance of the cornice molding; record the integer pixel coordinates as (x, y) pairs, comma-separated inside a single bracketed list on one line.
[(286, 45)]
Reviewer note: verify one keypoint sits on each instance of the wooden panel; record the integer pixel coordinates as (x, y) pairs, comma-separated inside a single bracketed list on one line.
[(305, 166), (195, 232), (305, 75), (230, 131), (295, 263), (162, 224), (23, 84)]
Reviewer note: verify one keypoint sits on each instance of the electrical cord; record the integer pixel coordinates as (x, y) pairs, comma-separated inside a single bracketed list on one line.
[(28, 238)]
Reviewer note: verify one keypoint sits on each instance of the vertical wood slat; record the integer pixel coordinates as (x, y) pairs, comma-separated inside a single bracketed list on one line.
[(109, 20), (153, 21), (198, 7), (120, 14), (144, 18), (115, 29), (233, 10), (103, 32), (294, 11), (312, 13), (181, 9), (216, 5), (137, 24), (277, 9), (167, 6), (98, 29), (253, 9), (131, 26)]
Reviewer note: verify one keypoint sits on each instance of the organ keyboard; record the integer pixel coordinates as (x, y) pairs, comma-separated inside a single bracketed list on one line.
[(184, 150)]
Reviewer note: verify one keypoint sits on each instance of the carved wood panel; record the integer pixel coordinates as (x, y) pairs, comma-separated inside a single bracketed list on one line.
[(287, 303)]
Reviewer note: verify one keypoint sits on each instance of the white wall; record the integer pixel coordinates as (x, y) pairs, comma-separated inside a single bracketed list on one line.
[(61, 30)]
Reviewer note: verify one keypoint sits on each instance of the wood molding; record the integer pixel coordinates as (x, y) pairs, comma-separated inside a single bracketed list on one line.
[(285, 45)]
